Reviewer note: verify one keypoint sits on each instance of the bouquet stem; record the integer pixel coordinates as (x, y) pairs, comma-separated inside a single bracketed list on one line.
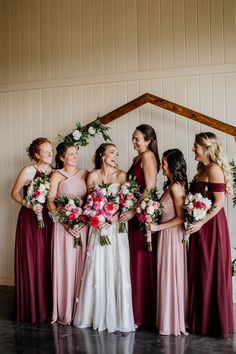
[(104, 239), (122, 228), (77, 241), (40, 220), (149, 241)]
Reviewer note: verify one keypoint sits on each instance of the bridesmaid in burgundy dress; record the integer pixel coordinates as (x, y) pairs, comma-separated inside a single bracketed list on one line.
[(32, 298), (142, 262), (210, 276)]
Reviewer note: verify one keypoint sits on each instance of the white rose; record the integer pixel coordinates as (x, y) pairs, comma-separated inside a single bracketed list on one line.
[(150, 209), (198, 196), (129, 203), (92, 131), (42, 187), (199, 214), (76, 134), (207, 202), (41, 199), (143, 205)]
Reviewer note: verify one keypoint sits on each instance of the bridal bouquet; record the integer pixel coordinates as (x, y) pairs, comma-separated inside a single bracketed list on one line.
[(71, 213), (149, 212), (196, 206), (100, 207), (37, 193), (128, 196)]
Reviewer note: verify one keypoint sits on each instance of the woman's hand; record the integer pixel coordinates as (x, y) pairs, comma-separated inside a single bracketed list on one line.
[(127, 215), (192, 228), (37, 208), (153, 227), (80, 227), (104, 226)]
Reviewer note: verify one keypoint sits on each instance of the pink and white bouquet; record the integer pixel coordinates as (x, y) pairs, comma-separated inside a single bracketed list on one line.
[(70, 212), (37, 193), (149, 212), (128, 196), (100, 207), (196, 207)]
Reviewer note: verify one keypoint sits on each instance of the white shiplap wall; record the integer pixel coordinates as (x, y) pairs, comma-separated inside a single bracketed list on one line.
[(67, 60)]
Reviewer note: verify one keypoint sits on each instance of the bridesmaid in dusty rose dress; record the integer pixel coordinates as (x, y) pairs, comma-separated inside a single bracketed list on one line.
[(210, 274), (67, 261), (172, 282), (32, 298), (143, 263)]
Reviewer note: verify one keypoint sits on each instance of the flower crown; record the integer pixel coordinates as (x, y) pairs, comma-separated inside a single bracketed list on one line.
[(80, 136)]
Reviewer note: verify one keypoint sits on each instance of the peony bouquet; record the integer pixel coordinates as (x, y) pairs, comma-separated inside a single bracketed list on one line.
[(128, 196), (149, 212), (100, 207), (37, 193), (70, 213), (196, 206)]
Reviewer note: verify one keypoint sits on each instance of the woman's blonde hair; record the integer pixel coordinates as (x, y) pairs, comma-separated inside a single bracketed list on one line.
[(214, 152)]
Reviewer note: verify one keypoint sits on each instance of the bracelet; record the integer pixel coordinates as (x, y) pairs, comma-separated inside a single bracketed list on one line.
[(25, 203)]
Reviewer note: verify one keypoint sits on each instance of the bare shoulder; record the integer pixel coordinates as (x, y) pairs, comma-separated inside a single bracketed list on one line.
[(177, 190), (56, 176), (147, 155), (215, 174), (121, 176)]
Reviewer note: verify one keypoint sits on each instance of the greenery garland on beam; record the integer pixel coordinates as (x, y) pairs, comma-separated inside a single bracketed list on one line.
[(81, 135)]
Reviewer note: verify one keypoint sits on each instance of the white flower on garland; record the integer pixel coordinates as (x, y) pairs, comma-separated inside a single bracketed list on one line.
[(92, 131), (80, 136), (76, 134)]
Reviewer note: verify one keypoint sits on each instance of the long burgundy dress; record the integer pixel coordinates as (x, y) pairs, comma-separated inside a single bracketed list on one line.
[(210, 275), (142, 264), (33, 295)]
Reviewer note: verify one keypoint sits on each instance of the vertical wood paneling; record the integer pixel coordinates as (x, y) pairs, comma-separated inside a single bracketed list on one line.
[(97, 37), (145, 110), (205, 92), (15, 42), (86, 29), (121, 125), (204, 55), (229, 30), (26, 121), (132, 117), (142, 35), (76, 50), (218, 103), (6, 43), (55, 41), (217, 43), (191, 32), (166, 34), (178, 18), (65, 30), (36, 113), (45, 39), (181, 124), (25, 40), (131, 35), (108, 36), (46, 110), (77, 115), (154, 34), (35, 50), (119, 36), (169, 124)]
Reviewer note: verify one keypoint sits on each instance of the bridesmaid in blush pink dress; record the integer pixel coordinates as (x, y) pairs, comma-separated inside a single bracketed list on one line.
[(67, 261), (142, 262), (172, 282)]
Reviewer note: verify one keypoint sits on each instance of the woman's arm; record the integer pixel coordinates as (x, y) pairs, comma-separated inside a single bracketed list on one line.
[(149, 166), (178, 195), (54, 180), (215, 175), (23, 179)]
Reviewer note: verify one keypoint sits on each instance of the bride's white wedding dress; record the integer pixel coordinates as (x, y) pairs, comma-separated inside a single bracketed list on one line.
[(105, 299)]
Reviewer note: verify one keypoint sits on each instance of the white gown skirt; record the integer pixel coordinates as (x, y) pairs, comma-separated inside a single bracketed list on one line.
[(105, 299)]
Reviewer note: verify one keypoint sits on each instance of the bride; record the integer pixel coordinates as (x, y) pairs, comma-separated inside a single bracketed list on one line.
[(105, 300)]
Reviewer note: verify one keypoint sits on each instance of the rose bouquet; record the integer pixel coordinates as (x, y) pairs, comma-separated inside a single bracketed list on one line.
[(37, 193), (149, 212), (128, 196), (196, 207), (70, 213), (100, 207)]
